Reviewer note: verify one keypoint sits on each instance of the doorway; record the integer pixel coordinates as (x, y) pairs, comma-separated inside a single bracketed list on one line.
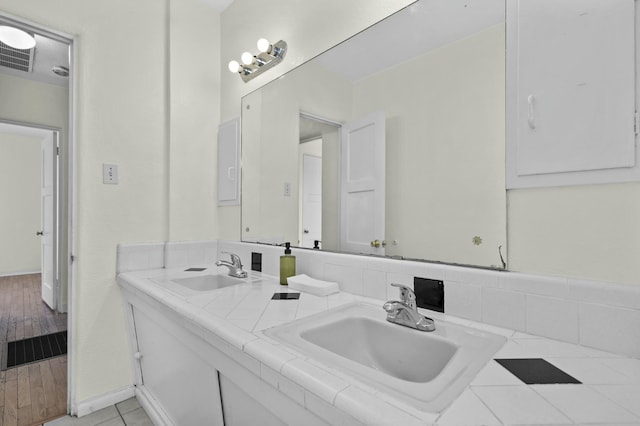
[(318, 171), (29, 221), (35, 295), (33, 325)]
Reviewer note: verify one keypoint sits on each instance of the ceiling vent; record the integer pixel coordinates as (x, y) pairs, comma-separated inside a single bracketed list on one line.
[(17, 59)]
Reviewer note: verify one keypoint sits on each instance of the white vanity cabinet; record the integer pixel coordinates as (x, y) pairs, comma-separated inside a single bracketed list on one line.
[(186, 375), (183, 383), (571, 113)]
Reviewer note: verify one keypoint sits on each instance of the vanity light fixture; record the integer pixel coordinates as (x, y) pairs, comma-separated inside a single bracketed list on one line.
[(16, 38), (253, 65)]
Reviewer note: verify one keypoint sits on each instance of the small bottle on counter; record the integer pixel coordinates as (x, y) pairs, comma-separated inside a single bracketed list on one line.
[(287, 264)]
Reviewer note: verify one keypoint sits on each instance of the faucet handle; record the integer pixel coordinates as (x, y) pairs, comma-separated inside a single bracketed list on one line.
[(235, 259), (407, 296)]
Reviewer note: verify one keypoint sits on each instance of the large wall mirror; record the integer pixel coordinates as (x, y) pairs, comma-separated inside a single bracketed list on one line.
[(390, 143)]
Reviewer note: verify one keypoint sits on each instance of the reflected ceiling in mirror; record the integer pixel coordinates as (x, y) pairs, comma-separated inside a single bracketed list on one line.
[(435, 72)]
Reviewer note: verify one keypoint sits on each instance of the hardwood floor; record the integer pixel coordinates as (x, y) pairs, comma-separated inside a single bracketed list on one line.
[(32, 393)]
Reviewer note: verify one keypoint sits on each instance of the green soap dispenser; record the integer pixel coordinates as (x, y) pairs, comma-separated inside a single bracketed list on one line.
[(287, 264)]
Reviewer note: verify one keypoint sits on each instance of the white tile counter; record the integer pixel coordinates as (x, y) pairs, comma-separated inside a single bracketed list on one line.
[(609, 393)]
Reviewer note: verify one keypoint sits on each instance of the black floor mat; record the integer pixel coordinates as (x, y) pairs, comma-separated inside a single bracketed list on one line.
[(34, 349)]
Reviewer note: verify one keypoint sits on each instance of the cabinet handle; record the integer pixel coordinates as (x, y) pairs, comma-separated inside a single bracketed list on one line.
[(531, 118)]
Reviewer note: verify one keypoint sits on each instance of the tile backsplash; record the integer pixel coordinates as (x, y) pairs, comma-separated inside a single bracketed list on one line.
[(596, 314)]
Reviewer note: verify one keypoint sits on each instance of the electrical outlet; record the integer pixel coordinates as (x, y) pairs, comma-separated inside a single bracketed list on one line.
[(110, 174), (287, 189), (256, 261), (429, 293)]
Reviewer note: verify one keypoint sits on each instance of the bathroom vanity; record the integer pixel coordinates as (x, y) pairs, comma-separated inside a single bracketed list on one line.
[(201, 356), (212, 349)]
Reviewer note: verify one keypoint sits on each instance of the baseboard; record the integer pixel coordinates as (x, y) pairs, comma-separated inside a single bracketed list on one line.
[(152, 408), (108, 399), (16, 273)]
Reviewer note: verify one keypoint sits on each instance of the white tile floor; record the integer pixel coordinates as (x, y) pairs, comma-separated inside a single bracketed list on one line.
[(126, 413)]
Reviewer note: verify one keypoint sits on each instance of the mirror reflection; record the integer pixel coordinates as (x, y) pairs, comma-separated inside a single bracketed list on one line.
[(391, 143)]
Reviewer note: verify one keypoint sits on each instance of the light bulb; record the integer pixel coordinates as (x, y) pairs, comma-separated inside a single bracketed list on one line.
[(234, 66), (247, 58), (263, 45), (16, 38)]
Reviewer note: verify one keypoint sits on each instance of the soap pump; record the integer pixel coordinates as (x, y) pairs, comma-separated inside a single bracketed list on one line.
[(287, 264)]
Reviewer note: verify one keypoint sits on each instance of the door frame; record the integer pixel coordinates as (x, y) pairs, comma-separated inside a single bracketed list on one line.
[(56, 199), (338, 125), (67, 229)]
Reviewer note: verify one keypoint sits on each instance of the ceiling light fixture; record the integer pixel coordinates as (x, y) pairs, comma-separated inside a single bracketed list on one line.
[(253, 65), (16, 38)]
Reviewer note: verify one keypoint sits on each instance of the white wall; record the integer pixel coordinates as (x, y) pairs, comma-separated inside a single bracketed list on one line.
[(195, 112), (445, 149), (20, 212), (124, 117), (331, 197), (590, 231)]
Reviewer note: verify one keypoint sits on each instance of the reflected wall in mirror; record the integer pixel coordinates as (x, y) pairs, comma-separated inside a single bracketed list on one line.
[(435, 71)]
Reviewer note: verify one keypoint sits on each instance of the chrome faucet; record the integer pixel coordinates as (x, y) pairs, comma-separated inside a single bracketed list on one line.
[(405, 312), (235, 266)]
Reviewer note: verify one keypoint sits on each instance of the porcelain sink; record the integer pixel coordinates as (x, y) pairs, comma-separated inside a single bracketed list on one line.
[(207, 282), (396, 351), (426, 369)]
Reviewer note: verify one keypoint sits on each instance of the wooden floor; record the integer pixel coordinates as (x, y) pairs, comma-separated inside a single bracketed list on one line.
[(33, 393)]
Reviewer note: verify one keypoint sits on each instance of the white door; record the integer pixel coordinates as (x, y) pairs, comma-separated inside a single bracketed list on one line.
[(48, 208), (362, 185), (311, 200)]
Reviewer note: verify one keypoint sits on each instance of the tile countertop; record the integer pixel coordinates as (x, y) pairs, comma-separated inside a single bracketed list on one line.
[(609, 393)]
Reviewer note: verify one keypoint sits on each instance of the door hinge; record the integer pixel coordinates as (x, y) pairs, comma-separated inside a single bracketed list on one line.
[(636, 122), (73, 258), (57, 150)]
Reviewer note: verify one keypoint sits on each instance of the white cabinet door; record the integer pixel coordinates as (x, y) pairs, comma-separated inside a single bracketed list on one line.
[(229, 163), (183, 383), (362, 186), (571, 86), (240, 409)]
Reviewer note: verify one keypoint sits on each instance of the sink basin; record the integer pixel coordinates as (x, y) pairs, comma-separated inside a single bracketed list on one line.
[(426, 369), (207, 282), (375, 345)]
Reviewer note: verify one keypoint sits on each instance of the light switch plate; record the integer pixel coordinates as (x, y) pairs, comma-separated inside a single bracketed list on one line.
[(110, 174)]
